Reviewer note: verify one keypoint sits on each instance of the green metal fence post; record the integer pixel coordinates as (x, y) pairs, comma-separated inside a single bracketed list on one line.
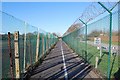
[(86, 38), (110, 39)]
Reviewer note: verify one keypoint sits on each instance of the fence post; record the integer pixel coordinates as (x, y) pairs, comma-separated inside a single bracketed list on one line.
[(29, 51), (24, 49), (11, 56), (85, 38), (47, 42), (42, 45), (96, 62), (100, 51), (37, 46), (16, 47), (52, 40), (110, 39)]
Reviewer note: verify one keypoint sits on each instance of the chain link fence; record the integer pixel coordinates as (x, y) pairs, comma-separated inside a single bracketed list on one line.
[(96, 41), (33, 44)]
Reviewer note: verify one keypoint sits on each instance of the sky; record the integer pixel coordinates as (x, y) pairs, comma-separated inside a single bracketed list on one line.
[(59, 0), (49, 16)]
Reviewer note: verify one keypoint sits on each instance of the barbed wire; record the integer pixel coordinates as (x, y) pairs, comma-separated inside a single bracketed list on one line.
[(94, 10)]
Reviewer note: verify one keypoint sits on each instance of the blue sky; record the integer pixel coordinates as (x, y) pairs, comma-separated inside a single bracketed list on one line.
[(49, 16)]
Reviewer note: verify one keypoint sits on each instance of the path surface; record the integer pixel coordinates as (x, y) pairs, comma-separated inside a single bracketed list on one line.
[(62, 63)]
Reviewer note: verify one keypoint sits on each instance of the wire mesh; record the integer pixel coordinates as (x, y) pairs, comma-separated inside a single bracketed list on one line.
[(100, 28), (27, 44)]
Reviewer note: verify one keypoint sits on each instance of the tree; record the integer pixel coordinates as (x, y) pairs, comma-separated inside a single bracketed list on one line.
[(94, 33)]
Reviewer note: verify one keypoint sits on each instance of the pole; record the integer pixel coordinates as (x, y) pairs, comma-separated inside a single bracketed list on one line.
[(100, 50), (43, 46), (16, 47), (86, 38), (47, 42), (11, 56), (96, 62), (25, 48), (37, 46), (30, 51), (110, 39)]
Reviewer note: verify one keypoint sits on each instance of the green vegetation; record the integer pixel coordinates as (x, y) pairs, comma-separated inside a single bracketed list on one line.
[(92, 53)]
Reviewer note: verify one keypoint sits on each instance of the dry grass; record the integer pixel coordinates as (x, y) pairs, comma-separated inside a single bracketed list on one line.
[(105, 39)]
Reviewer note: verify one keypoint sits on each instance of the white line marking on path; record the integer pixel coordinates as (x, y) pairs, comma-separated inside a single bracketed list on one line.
[(64, 65)]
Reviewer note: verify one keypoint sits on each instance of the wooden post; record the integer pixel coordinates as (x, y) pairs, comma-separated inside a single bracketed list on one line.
[(24, 66), (48, 40), (30, 51), (96, 64), (43, 45), (37, 46), (16, 49), (47, 43), (11, 56), (100, 51)]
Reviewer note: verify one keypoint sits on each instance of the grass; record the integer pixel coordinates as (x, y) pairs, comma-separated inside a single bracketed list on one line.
[(92, 53)]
